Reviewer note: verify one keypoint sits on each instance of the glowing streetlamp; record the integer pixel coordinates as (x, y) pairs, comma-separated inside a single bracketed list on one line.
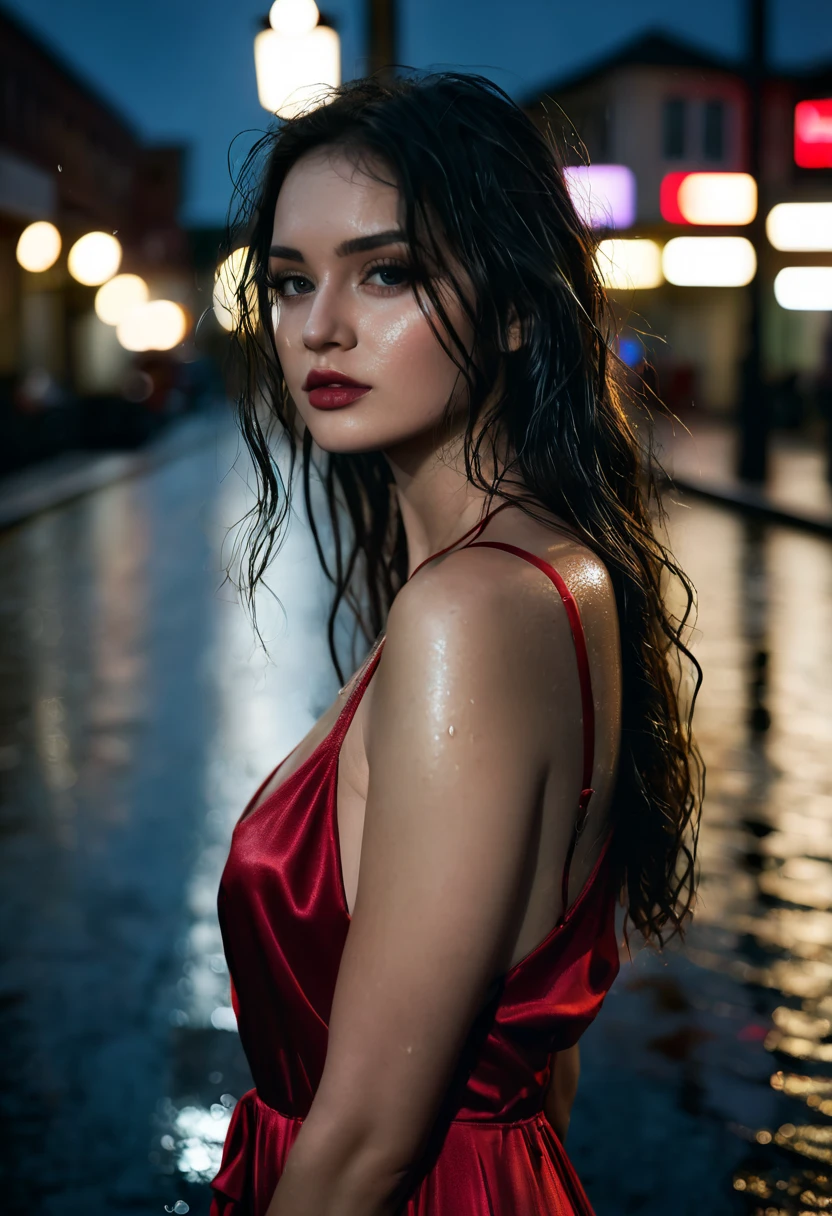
[(297, 60), (38, 247), (94, 258), (157, 325), (119, 296)]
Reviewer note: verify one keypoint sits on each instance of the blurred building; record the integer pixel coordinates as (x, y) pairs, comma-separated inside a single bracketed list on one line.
[(68, 157), (660, 107)]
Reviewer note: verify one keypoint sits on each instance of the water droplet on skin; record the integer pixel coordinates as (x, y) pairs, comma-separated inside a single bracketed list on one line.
[(60, 168), (471, 699), (451, 730)]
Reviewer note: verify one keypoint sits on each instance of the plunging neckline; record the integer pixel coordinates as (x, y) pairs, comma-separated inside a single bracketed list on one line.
[(253, 807)]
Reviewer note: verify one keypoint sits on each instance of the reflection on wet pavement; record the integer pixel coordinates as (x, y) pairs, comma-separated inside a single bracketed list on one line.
[(724, 1101), (137, 716)]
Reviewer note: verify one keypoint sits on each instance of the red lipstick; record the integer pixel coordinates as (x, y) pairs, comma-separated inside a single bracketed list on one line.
[(328, 390)]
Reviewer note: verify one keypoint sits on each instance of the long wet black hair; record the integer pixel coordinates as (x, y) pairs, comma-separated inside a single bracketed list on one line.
[(469, 163)]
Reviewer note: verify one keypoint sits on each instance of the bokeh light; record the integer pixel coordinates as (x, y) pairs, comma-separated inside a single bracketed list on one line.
[(39, 246), (718, 198), (804, 288), (627, 265), (120, 296), (94, 258), (709, 261), (226, 283), (604, 195), (800, 226), (157, 325)]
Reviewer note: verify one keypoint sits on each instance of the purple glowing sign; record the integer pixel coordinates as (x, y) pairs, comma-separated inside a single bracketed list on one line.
[(604, 195)]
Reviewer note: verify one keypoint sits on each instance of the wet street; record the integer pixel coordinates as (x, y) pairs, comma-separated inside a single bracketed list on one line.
[(137, 716)]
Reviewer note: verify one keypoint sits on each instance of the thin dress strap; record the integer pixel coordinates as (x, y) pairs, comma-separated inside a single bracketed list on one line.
[(476, 529), (587, 705), (362, 678)]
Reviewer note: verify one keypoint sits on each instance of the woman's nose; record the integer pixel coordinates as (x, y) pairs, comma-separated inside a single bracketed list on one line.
[(328, 322)]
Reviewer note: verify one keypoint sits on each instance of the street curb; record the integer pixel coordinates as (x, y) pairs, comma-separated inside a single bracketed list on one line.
[(53, 483), (755, 503)]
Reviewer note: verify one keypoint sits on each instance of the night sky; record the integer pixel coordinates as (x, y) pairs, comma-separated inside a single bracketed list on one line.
[(179, 70)]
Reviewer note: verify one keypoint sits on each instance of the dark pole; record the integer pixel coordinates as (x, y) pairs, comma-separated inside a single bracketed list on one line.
[(381, 20), (754, 421)]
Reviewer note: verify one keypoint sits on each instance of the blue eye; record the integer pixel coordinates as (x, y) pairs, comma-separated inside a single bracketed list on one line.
[(390, 266), (395, 269), (278, 285)]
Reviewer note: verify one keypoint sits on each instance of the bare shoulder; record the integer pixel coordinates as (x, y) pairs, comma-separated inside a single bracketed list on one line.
[(486, 589), (483, 632), (584, 572), (548, 537)]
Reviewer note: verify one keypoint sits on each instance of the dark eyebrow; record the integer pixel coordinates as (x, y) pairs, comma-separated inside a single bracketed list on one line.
[(356, 244)]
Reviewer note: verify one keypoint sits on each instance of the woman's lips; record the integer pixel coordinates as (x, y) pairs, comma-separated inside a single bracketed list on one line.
[(333, 396)]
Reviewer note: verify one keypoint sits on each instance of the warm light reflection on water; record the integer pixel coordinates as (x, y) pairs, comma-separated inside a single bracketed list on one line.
[(764, 922)]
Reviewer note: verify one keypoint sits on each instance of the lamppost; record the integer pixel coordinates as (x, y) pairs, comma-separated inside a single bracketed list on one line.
[(297, 58), (754, 411), (381, 36)]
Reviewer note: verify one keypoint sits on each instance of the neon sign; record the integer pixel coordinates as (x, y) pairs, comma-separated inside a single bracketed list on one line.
[(669, 198), (813, 134), (708, 198), (604, 195)]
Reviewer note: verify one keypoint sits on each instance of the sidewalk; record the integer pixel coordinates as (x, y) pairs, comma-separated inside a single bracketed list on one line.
[(51, 483), (704, 461)]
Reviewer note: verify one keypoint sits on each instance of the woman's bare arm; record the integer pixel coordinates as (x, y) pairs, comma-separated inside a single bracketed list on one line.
[(563, 1085), (453, 739)]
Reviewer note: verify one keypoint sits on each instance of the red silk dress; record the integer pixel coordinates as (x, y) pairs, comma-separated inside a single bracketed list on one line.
[(284, 919)]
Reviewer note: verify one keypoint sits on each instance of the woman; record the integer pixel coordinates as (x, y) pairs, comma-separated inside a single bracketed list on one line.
[(418, 907)]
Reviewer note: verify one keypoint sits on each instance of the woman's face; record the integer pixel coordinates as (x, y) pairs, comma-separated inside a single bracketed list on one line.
[(353, 311)]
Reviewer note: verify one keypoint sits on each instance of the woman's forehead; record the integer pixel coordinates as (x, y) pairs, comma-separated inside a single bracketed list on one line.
[(332, 195), (343, 174), (327, 193)]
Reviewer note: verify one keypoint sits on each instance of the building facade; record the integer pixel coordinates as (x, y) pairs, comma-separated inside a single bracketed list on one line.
[(68, 157), (662, 107)]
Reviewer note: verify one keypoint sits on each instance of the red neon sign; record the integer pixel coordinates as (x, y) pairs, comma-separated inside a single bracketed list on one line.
[(813, 134), (669, 198)]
